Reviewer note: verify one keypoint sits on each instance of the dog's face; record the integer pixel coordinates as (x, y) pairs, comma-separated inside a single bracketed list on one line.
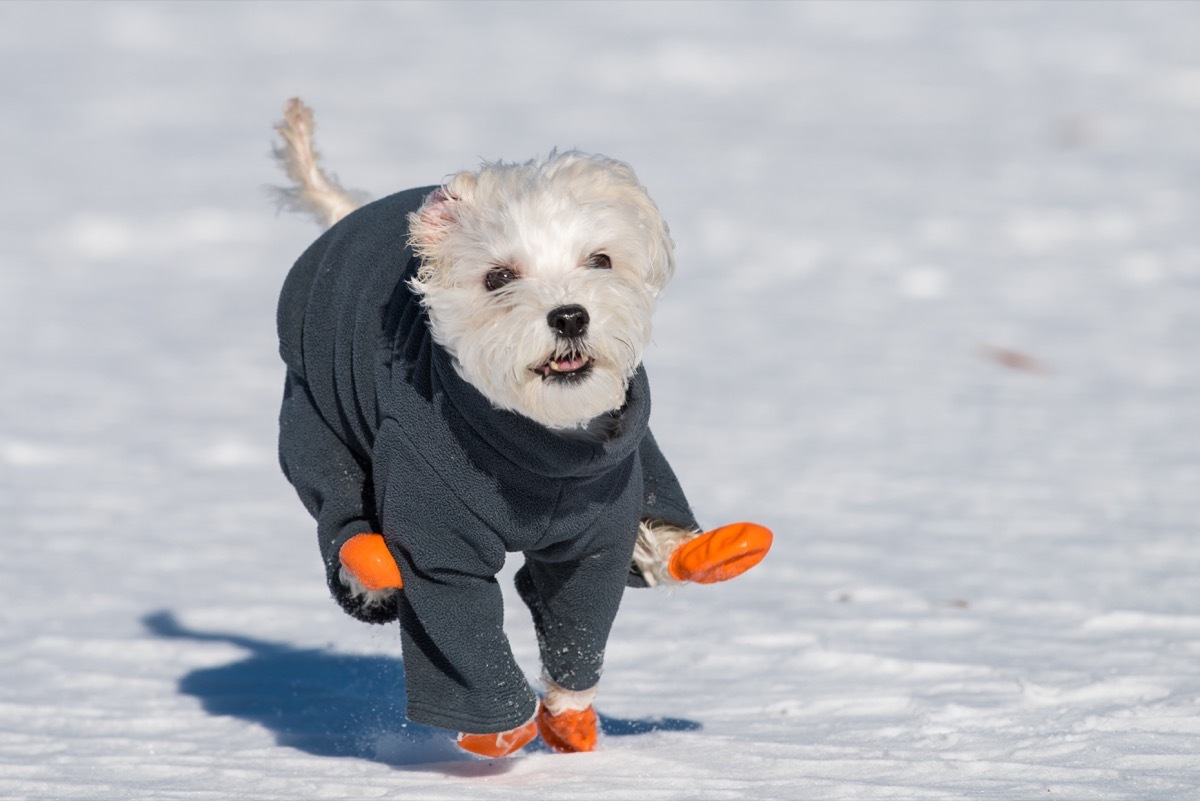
[(540, 280)]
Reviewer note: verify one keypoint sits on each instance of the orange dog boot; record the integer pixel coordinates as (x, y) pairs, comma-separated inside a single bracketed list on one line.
[(570, 731), (720, 554), (368, 559), (499, 744)]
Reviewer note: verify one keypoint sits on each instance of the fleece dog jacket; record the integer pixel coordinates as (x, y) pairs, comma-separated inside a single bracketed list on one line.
[(378, 433)]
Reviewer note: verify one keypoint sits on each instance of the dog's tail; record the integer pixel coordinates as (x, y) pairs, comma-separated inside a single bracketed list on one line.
[(313, 191)]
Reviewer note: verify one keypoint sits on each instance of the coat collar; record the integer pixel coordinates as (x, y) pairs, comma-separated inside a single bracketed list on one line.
[(500, 440)]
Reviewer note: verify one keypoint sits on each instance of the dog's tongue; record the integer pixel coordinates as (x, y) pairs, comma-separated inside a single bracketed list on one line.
[(567, 365)]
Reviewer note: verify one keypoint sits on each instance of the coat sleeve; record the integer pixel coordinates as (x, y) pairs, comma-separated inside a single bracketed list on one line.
[(574, 604), (332, 484), (663, 499), (459, 668)]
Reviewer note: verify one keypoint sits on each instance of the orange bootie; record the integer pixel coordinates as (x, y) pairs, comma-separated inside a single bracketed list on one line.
[(720, 554), (570, 731), (367, 557), (499, 744)]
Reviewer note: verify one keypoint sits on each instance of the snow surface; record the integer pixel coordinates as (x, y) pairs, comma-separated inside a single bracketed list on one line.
[(936, 323)]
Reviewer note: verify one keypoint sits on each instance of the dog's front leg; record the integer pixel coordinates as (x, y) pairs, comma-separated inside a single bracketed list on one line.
[(668, 554), (460, 673), (573, 604), (460, 667)]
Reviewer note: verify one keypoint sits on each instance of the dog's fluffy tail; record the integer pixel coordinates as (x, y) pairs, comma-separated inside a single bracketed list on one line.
[(313, 191)]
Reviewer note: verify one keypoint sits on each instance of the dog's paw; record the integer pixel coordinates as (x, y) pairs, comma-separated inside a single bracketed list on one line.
[(366, 580), (499, 744), (369, 606), (569, 732), (656, 541), (720, 554), (367, 561), (566, 719)]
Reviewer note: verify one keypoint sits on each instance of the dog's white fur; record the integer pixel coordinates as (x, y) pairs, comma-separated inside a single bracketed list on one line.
[(312, 190), (548, 222), (558, 699), (656, 541), (545, 222)]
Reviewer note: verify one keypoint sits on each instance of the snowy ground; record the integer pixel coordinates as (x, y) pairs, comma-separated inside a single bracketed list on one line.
[(986, 582)]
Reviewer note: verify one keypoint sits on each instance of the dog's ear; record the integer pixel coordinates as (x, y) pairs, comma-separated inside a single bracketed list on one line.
[(615, 179), (662, 247), (440, 214)]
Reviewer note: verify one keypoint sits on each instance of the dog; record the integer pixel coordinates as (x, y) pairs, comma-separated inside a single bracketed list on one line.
[(464, 380)]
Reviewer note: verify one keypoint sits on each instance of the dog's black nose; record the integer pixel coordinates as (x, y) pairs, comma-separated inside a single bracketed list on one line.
[(569, 321)]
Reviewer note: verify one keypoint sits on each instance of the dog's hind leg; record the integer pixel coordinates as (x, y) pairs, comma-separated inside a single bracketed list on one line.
[(313, 191)]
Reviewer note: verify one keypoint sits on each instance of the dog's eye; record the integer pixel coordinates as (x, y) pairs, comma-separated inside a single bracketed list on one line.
[(497, 277), (598, 261)]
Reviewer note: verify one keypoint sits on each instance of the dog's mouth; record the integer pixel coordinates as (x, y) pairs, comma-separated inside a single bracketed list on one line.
[(568, 367)]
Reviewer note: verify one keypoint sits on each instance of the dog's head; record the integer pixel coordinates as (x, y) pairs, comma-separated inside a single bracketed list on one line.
[(540, 280)]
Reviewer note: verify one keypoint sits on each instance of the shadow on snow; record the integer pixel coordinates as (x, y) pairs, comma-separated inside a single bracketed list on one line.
[(336, 705)]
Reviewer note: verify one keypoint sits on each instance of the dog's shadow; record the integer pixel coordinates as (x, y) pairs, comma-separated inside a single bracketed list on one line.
[(336, 705)]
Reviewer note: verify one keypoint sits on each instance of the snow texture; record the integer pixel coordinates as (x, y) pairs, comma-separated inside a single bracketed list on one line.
[(936, 322)]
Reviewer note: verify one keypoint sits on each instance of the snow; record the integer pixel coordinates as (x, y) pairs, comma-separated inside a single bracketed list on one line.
[(935, 323)]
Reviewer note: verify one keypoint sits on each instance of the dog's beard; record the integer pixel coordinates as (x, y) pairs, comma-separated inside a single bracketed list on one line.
[(503, 346)]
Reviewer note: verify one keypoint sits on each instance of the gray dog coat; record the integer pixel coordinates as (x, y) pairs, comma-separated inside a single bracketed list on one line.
[(379, 433)]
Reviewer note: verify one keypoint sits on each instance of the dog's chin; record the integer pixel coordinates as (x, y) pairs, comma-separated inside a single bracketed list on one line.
[(561, 391), (566, 394)]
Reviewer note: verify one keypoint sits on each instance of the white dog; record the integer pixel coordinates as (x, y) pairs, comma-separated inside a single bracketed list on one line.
[(536, 283)]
